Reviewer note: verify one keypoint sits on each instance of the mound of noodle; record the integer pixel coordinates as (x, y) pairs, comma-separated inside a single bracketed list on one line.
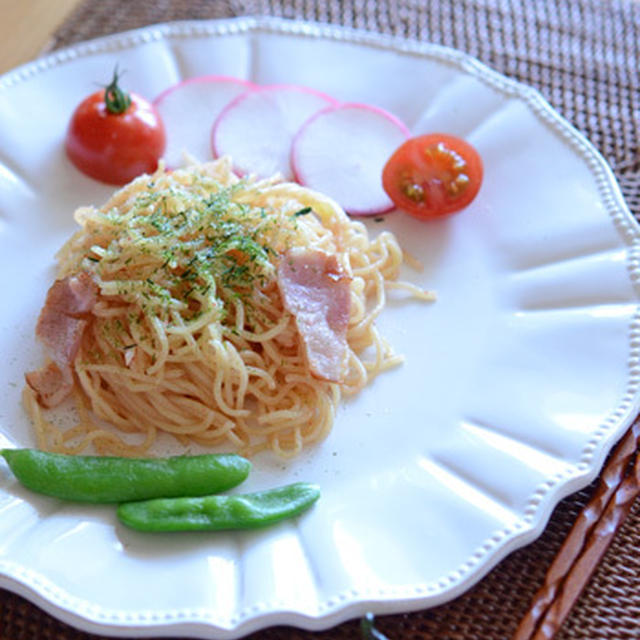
[(190, 336)]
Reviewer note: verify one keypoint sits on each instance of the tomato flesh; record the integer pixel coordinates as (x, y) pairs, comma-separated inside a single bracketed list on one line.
[(433, 175), (115, 147)]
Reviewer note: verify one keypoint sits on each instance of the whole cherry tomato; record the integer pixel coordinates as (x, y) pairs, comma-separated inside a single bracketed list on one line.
[(433, 175), (114, 136)]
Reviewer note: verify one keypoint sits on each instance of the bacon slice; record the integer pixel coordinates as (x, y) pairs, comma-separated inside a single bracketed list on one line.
[(61, 324), (316, 291), (51, 385)]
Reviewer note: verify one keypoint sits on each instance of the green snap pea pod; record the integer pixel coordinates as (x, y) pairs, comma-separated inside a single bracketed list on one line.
[(216, 513), (114, 479)]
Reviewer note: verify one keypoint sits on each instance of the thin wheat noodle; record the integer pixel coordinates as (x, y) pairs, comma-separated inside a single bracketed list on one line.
[(190, 337)]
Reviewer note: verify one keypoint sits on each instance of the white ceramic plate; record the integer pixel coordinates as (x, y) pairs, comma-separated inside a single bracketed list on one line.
[(517, 381)]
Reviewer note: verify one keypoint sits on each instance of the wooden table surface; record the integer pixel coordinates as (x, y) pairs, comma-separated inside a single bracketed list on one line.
[(26, 28)]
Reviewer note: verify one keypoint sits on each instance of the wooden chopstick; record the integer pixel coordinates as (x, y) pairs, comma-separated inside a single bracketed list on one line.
[(587, 542)]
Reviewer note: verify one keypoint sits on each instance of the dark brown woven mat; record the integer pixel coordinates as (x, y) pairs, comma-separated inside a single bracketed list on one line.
[(584, 56)]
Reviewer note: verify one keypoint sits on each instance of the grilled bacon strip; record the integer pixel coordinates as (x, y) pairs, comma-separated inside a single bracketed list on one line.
[(316, 291), (61, 324)]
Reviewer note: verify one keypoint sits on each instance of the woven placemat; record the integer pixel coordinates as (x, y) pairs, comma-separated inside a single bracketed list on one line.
[(584, 56)]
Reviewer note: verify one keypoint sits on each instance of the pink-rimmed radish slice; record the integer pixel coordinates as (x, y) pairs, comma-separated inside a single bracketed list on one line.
[(188, 108), (257, 128), (341, 151)]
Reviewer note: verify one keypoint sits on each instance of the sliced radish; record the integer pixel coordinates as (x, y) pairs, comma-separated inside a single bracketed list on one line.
[(341, 152), (257, 128), (188, 108)]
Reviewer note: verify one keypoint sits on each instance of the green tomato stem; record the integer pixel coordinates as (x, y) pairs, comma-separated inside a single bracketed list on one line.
[(116, 99)]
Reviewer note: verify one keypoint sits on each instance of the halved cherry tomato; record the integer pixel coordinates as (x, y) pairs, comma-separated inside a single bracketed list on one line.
[(114, 136), (433, 175)]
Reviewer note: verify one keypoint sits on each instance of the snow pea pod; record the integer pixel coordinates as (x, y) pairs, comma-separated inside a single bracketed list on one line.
[(215, 513), (115, 479)]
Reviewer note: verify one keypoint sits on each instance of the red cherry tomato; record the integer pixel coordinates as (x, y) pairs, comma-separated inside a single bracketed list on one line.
[(114, 136), (433, 175)]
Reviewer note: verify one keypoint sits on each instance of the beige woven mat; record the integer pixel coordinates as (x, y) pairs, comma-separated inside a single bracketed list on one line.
[(584, 56)]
